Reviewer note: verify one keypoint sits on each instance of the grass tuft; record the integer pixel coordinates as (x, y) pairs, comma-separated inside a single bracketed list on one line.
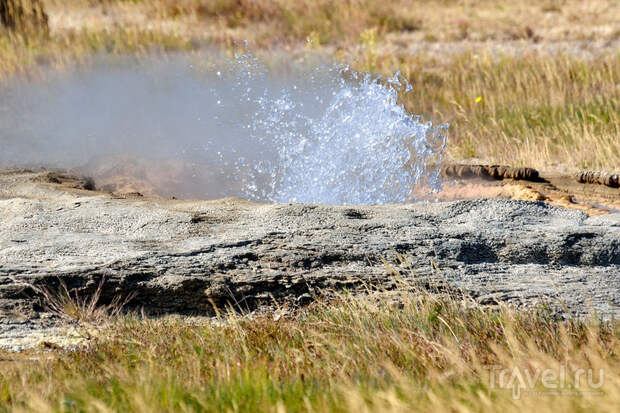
[(70, 305)]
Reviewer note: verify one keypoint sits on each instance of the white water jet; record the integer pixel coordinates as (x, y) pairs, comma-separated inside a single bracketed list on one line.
[(341, 137), (292, 133)]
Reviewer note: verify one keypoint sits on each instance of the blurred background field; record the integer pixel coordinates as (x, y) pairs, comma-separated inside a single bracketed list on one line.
[(533, 83)]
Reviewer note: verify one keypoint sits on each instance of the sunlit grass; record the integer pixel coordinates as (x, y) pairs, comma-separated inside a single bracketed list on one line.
[(523, 108), (344, 20), (28, 55), (418, 352), (532, 110), (412, 351)]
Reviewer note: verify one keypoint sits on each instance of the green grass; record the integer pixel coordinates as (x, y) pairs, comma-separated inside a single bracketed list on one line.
[(418, 352)]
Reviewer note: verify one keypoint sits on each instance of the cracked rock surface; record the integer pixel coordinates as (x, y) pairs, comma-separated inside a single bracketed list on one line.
[(185, 256)]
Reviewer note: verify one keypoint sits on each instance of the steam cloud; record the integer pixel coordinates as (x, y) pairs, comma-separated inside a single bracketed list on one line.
[(228, 128)]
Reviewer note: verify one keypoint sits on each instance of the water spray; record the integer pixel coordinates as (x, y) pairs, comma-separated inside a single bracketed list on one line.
[(233, 127)]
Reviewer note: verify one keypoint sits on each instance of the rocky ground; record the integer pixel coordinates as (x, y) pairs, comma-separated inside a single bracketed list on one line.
[(189, 256)]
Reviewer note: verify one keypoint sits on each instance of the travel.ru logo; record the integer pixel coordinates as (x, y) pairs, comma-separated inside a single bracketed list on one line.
[(549, 381)]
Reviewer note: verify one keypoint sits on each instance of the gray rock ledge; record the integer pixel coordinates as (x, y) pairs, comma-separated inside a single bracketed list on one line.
[(183, 256)]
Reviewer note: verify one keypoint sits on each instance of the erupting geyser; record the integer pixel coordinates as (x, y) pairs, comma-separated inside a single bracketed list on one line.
[(324, 134)]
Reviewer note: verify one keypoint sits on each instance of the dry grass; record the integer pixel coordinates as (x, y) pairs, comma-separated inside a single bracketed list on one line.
[(356, 354), (72, 306), (275, 22), (352, 354), (524, 105), (30, 55), (531, 110)]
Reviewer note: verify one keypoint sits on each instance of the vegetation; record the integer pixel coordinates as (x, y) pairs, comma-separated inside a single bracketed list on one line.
[(519, 99), (268, 23), (415, 352), (542, 90), (526, 110), (24, 15)]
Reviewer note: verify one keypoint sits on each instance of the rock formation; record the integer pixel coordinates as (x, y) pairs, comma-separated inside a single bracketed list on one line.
[(497, 172), (611, 180), (186, 256)]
